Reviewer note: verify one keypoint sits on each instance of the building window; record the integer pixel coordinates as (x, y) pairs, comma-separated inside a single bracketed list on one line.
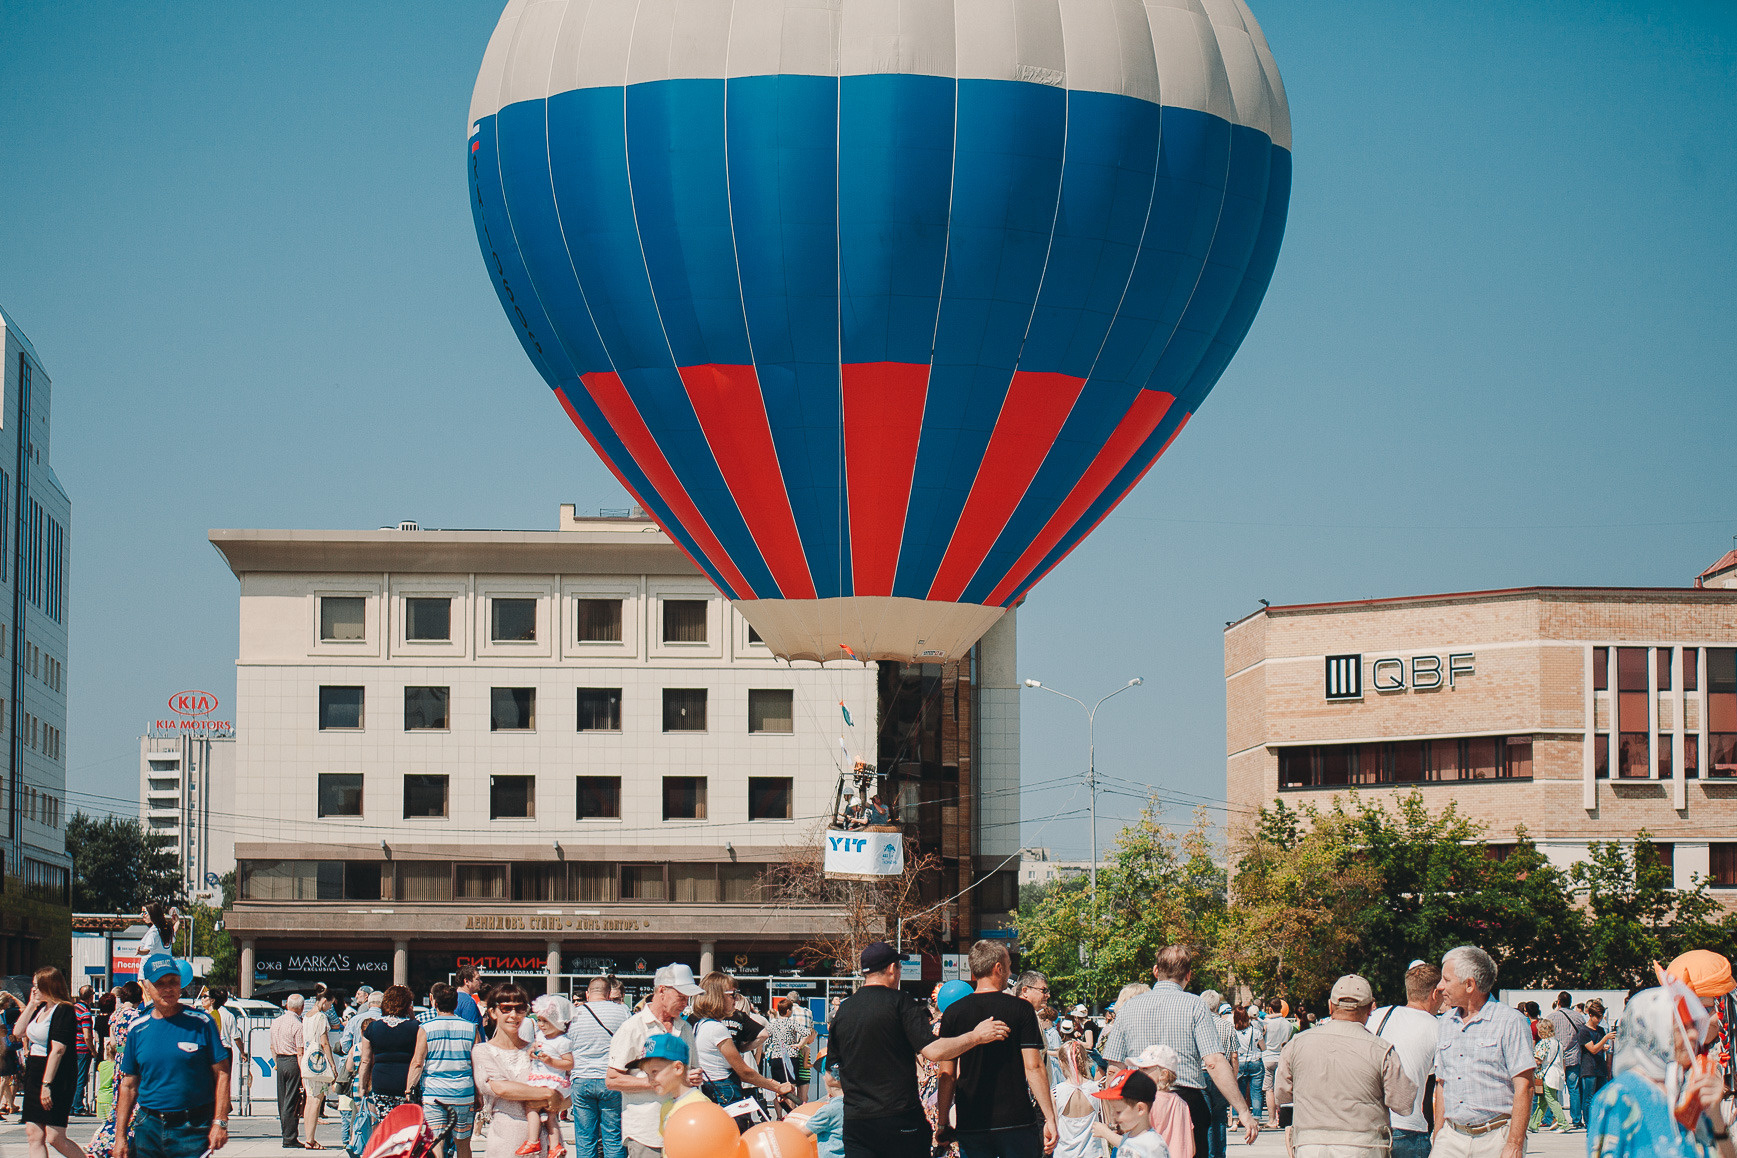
[(1500, 851), (425, 880), (769, 797), (771, 710), (481, 882), (741, 884), (754, 637), (1632, 718), (1664, 854), (684, 620), (595, 882), (684, 797), (341, 618), (599, 798), (340, 709), (512, 620), (598, 620), (1601, 756), (1601, 669), (642, 882), (1662, 667), (512, 709), (1691, 669), (340, 794), (1666, 754), (424, 795), (600, 709), (693, 884), (998, 892), (1691, 756), (427, 620), (540, 882), (425, 709), (684, 709), (1406, 762), (1722, 864), (512, 797), (1721, 711), (364, 880)]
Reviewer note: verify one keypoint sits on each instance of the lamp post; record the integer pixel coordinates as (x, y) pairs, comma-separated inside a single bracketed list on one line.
[(1091, 785)]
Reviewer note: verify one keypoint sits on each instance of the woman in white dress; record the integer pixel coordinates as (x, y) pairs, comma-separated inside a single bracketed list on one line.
[(1075, 1108), (502, 1066)]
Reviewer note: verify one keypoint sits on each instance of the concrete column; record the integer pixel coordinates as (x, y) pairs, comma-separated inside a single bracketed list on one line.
[(401, 962), (246, 969), (552, 967), (708, 957)]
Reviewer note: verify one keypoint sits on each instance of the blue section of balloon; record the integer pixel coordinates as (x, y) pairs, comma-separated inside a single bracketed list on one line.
[(952, 991)]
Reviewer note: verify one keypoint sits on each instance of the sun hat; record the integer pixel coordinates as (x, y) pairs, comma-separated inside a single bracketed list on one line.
[(1704, 971), (1162, 1057)]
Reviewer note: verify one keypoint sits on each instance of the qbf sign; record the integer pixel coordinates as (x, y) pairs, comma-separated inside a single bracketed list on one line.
[(1392, 673)]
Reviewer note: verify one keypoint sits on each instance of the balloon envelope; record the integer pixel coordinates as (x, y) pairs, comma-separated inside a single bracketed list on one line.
[(879, 306), (700, 1130), (951, 992)]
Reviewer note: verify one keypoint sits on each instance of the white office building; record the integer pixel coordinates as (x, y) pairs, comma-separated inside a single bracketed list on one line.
[(187, 799), (564, 751)]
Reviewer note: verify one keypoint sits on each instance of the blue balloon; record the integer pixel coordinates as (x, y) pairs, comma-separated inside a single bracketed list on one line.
[(185, 968), (951, 992)]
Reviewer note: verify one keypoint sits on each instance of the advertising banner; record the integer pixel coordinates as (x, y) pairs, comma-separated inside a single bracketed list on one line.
[(864, 852)]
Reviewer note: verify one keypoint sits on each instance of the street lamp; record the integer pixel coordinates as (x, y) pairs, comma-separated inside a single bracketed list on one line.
[(1091, 776)]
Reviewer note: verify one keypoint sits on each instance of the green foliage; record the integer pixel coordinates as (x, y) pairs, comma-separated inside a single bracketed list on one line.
[(211, 940), (1366, 886), (117, 867)]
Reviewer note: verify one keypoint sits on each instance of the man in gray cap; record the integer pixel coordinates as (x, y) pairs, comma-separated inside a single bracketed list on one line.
[(1342, 1081)]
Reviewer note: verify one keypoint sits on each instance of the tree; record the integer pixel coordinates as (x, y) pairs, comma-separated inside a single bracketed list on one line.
[(906, 907), (117, 867), (209, 937), (1160, 888), (1637, 917)]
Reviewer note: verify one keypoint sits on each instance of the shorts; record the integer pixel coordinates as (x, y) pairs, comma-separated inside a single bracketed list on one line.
[(461, 1114), (316, 1087)]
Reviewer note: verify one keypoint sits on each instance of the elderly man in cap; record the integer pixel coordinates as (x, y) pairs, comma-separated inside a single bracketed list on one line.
[(174, 1073), (1483, 1064), (641, 1102), (1342, 1081), (877, 1035)]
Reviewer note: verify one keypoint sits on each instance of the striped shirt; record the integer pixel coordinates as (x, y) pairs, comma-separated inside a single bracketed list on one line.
[(589, 1034), (82, 1012), (1167, 1016), (446, 1073)]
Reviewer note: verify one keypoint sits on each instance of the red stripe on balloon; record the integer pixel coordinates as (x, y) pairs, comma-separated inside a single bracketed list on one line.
[(1136, 426), (623, 416), (883, 421), (567, 405), (1031, 417), (732, 414), (1038, 578)]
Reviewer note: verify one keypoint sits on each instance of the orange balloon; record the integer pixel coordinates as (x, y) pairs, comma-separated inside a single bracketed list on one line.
[(700, 1130), (780, 1140)]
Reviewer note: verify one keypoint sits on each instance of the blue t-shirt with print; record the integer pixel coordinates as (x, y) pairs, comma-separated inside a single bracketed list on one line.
[(172, 1058)]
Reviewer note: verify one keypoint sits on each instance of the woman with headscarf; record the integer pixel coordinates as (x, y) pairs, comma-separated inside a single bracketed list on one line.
[(1633, 1117)]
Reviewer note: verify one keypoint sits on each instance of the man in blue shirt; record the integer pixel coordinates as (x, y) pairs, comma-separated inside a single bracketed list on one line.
[(175, 1073), (468, 984)]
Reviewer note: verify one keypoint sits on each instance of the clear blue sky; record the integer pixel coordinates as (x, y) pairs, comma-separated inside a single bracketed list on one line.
[(1498, 349)]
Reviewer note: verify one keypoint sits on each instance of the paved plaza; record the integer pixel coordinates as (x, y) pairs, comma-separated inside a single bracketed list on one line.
[(256, 1137)]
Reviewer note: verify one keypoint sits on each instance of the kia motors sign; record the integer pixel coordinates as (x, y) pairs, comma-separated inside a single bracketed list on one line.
[(195, 710)]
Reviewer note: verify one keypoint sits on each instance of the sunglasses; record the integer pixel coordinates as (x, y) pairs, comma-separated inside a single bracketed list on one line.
[(512, 1007)]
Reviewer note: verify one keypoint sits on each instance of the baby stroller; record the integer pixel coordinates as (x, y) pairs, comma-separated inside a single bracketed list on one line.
[(403, 1133)]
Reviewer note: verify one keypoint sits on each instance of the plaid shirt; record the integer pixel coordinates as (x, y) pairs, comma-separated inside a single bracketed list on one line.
[(1167, 1016), (1477, 1060)]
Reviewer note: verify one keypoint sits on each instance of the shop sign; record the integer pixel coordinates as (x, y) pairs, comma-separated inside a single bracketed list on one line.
[(1418, 673), (860, 852), (553, 923), (195, 711), (911, 967), (124, 967), (954, 968), (356, 967), (522, 964)]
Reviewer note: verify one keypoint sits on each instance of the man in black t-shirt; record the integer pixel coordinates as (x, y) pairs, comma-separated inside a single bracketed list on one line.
[(877, 1034), (997, 1117)]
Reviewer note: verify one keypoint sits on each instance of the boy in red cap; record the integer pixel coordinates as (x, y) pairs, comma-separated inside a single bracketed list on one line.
[(1131, 1095)]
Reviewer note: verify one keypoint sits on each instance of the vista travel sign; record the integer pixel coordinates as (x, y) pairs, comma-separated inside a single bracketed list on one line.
[(194, 711), (1392, 673)]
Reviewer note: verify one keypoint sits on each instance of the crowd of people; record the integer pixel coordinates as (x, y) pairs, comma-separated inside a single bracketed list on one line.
[(986, 1069)]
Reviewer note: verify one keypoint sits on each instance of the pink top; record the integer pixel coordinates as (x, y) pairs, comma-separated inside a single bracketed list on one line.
[(1171, 1122)]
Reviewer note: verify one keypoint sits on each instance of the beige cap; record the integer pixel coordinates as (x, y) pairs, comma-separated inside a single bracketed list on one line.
[(1351, 992)]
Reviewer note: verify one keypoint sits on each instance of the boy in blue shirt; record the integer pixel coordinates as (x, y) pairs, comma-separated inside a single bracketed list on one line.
[(175, 1073)]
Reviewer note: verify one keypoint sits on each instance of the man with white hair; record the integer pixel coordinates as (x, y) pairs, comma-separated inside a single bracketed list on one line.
[(1483, 1064), (286, 1048)]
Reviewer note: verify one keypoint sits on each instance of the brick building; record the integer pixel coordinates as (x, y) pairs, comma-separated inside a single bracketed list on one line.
[(1583, 713)]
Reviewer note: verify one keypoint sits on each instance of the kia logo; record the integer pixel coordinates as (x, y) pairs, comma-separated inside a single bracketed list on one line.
[(192, 703)]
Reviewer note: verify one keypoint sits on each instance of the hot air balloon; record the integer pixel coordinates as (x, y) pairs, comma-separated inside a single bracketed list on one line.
[(879, 306)]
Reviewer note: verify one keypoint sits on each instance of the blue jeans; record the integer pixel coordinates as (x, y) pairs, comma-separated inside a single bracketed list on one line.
[(1576, 1108), (79, 1081), (596, 1120), (1411, 1144), (153, 1139), (1216, 1130), (1249, 1074)]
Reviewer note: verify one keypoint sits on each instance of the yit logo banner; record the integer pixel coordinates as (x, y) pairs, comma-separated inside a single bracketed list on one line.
[(192, 703), (1345, 677)]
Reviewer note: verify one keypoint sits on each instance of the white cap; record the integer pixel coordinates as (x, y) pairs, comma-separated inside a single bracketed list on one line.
[(679, 978)]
